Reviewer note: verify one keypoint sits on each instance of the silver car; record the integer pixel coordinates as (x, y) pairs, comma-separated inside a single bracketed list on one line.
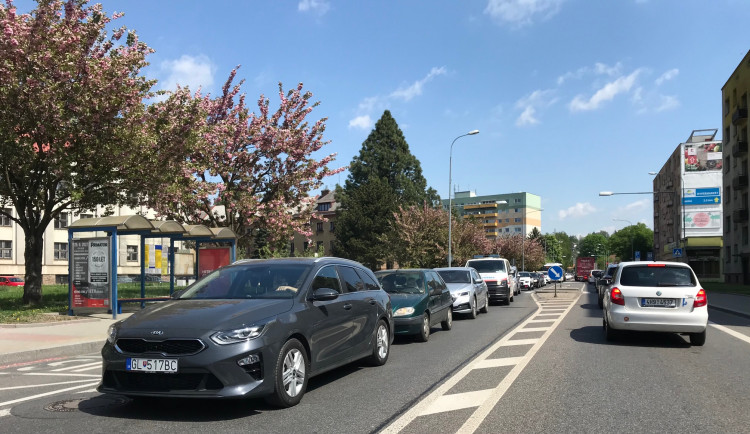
[(657, 297), (468, 290)]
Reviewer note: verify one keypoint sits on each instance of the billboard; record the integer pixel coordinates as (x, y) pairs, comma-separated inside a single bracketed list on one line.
[(702, 157), (702, 196), (210, 259), (703, 219), (91, 272)]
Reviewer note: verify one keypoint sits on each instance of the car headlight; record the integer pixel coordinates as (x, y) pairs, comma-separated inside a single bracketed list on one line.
[(403, 311), (112, 332), (237, 335), (463, 294)]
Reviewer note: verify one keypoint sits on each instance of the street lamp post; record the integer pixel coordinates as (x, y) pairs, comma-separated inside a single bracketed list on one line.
[(450, 196), (632, 250)]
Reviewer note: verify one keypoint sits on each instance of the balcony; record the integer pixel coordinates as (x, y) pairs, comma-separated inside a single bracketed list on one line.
[(481, 206), (489, 224), (740, 214), (739, 182), (739, 115), (739, 148)]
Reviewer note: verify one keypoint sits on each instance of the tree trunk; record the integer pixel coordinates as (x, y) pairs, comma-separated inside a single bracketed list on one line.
[(32, 290)]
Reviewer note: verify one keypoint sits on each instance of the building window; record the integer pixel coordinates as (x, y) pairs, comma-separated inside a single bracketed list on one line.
[(86, 216), (517, 220), (727, 194), (291, 249), (507, 229), (324, 206), (735, 254), (517, 229), (319, 227), (4, 219), (517, 201), (319, 246), (744, 235), (6, 248), (61, 279), (305, 245), (61, 251), (518, 209), (331, 227), (61, 221), (132, 254)]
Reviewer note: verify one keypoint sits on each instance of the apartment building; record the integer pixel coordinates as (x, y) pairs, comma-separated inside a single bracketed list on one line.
[(500, 214), (734, 96), (323, 229)]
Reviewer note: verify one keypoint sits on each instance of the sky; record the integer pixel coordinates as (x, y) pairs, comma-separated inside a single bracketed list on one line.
[(571, 97)]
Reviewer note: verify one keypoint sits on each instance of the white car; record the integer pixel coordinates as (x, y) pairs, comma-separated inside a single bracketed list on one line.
[(468, 290), (498, 275), (656, 297), (524, 280)]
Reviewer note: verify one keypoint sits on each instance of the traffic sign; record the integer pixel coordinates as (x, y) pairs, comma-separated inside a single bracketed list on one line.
[(637, 255), (555, 272), (677, 253)]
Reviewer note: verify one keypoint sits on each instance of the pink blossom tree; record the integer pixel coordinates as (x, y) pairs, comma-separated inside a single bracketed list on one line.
[(69, 92), (251, 172)]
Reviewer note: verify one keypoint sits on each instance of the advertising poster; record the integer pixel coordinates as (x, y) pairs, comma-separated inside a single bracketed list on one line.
[(702, 196), (91, 272), (703, 220), (701, 157), (210, 259), (153, 258)]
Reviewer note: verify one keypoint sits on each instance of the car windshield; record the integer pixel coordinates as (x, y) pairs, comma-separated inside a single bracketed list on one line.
[(455, 276), (16, 279), (525, 274), (401, 282), (262, 280), (656, 276), (488, 266)]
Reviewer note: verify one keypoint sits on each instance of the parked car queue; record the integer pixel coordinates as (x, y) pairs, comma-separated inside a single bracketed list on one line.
[(262, 328)]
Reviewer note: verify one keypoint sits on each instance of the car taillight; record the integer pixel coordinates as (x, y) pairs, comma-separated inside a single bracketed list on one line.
[(616, 297), (700, 299)]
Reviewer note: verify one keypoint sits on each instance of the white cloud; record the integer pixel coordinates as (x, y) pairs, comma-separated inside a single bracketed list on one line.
[(362, 122), (190, 71), (672, 73), (318, 7), (637, 205), (530, 103), (577, 210), (597, 69), (416, 88), (519, 13), (606, 93), (668, 102)]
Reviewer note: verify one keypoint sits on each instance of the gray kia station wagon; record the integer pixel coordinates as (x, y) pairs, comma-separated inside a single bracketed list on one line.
[(256, 328)]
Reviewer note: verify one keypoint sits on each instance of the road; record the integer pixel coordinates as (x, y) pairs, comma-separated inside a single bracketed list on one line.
[(540, 364)]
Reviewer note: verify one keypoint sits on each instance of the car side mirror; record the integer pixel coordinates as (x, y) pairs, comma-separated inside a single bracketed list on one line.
[(325, 294)]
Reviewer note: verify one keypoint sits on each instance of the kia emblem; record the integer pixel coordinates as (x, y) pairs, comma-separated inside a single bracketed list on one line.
[(658, 293), (157, 332)]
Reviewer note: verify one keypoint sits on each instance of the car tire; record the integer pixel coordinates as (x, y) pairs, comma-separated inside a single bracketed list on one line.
[(601, 301), (473, 313), (486, 307), (698, 339), (291, 364), (447, 323), (424, 334), (511, 299), (609, 334), (382, 348)]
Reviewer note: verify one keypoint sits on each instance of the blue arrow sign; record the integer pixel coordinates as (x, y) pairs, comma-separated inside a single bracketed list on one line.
[(555, 272)]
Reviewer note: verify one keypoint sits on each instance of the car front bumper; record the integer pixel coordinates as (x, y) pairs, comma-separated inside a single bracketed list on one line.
[(411, 325)]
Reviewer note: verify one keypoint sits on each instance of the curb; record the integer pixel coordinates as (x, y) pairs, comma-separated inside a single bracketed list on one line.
[(45, 324), (46, 353), (732, 311)]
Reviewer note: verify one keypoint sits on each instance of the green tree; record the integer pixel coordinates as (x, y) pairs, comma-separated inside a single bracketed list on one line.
[(630, 239), (70, 109), (383, 176)]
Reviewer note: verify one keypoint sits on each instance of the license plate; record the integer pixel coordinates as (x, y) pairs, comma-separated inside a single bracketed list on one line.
[(658, 302), (151, 365)]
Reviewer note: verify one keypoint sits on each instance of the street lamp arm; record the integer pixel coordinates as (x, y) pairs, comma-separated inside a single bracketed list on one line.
[(450, 197)]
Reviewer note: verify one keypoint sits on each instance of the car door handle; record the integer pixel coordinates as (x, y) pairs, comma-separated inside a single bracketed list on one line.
[(347, 306), (372, 301)]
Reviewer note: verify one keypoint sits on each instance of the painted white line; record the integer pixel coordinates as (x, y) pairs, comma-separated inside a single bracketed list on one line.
[(90, 368), (5, 412), (54, 392), (426, 404), (72, 368), (457, 401), (88, 391), (534, 329), (43, 385), (476, 419), (66, 374), (731, 332), (496, 363), (540, 320), (519, 342)]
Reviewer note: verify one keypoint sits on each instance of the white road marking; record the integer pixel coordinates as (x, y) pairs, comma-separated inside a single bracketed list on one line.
[(97, 366), (63, 374), (439, 401), (88, 391), (731, 332), (534, 329), (44, 385), (457, 401), (54, 392), (5, 412), (71, 368)]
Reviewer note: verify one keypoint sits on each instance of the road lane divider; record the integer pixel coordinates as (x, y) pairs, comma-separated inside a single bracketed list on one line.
[(439, 400)]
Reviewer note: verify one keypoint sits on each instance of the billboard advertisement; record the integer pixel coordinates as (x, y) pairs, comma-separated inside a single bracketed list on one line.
[(702, 196), (209, 259), (91, 269), (702, 157)]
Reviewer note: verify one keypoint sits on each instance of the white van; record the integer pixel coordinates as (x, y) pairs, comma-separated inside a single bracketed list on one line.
[(499, 276)]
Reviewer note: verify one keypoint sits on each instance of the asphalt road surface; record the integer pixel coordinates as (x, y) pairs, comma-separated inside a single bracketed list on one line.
[(540, 364)]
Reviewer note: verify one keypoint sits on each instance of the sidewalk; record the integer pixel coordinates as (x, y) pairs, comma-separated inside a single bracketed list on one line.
[(20, 343)]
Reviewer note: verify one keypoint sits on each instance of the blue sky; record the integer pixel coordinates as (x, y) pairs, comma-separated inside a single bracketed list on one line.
[(571, 97)]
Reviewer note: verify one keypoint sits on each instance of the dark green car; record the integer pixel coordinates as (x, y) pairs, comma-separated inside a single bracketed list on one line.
[(419, 298)]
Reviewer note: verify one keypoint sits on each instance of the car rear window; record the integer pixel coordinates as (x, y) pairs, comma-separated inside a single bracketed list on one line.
[(644, 275), (487, 266), (455, 276)]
